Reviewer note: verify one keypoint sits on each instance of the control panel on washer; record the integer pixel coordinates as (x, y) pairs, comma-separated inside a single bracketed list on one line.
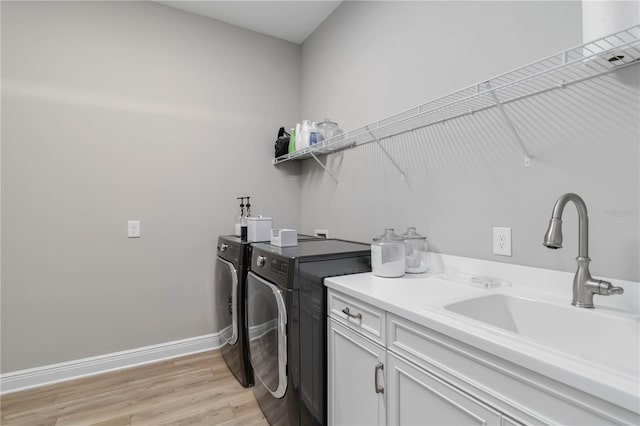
[(274, 265)]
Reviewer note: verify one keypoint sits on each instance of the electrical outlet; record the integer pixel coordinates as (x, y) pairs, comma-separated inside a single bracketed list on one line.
[(133, 229), (322, 233), (502, 241)]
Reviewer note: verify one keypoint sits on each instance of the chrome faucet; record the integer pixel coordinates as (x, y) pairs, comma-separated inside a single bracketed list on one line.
[(584, 285)]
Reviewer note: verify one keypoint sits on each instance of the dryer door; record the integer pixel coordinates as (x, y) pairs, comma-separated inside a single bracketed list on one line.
[(226, 288), (267, 319)]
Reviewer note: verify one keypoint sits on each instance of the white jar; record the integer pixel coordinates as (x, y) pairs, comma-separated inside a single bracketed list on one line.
[(388, 255), (327, 128), (417, 249)]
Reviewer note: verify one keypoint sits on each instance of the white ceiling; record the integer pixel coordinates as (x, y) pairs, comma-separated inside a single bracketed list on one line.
[(293, 21)]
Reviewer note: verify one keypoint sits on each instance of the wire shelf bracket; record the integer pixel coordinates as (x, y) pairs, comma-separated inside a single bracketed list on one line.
[(508, 122), (324, 167), (403, 177)]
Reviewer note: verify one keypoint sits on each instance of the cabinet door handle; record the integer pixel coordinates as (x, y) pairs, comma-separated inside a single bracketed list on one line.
[(379, 367), (349, 314)]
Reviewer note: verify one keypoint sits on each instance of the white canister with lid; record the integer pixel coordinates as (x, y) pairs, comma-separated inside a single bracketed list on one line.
[(259, 228), (327, 129), (417, 248), (388, 255)]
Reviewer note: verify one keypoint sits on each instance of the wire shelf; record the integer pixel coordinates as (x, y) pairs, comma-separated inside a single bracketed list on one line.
[(567, 67)]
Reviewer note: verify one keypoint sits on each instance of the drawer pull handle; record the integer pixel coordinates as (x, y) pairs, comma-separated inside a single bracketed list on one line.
[(349, 314), (379, 367)]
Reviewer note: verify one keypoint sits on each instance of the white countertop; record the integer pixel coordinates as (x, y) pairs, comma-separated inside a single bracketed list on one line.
[(421, 298)]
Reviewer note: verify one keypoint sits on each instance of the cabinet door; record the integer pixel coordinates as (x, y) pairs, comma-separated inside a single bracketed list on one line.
[(355, 368), (416, 397)]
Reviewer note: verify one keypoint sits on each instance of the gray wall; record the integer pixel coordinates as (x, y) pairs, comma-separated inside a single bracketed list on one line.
[(372, 59), (113, 111), (119, 110)]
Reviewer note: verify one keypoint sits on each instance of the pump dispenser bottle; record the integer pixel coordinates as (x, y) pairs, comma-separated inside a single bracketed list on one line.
[(238, 228), (243, 223), (248, 210)]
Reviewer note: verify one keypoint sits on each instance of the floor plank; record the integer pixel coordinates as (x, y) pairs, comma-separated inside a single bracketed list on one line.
[(193, 390)]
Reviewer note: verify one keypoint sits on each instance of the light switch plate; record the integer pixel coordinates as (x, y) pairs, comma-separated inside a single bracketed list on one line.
[(133, 229), (502, 241)]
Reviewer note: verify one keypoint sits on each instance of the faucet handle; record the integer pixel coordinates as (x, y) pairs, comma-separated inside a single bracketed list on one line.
[(614, 290), (604, 288)]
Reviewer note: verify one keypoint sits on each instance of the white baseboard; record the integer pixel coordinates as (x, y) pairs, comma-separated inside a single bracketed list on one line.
[(39, 376)]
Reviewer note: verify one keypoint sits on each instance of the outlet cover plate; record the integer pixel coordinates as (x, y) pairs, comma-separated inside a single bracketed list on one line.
[(502, 241), (323, 233)]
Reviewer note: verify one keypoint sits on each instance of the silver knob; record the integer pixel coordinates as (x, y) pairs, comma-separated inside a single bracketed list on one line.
[(223, 247), (261, 260)]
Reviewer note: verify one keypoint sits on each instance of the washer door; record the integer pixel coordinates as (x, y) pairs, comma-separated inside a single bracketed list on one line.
[(267, 318), (226, 285)]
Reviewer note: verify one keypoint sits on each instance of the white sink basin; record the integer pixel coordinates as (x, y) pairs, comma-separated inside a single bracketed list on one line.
[(611, 340)]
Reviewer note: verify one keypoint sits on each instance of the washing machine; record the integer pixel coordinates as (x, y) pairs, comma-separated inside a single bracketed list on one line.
[(233, 256), (287, 332), (230, 285)]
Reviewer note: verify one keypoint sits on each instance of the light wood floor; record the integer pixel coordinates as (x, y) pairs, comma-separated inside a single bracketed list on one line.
[(193, 390)]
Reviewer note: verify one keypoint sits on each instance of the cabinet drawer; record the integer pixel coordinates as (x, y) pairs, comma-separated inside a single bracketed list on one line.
[(523, 396), (357, 315)]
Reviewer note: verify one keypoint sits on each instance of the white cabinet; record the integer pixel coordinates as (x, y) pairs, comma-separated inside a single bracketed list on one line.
[(356, 378), (369, 384), (433, 379), (417, 397)]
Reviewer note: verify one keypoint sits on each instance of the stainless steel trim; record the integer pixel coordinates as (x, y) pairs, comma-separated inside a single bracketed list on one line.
[(379, 367), (349, 314), (234, 301), (282, 339)]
